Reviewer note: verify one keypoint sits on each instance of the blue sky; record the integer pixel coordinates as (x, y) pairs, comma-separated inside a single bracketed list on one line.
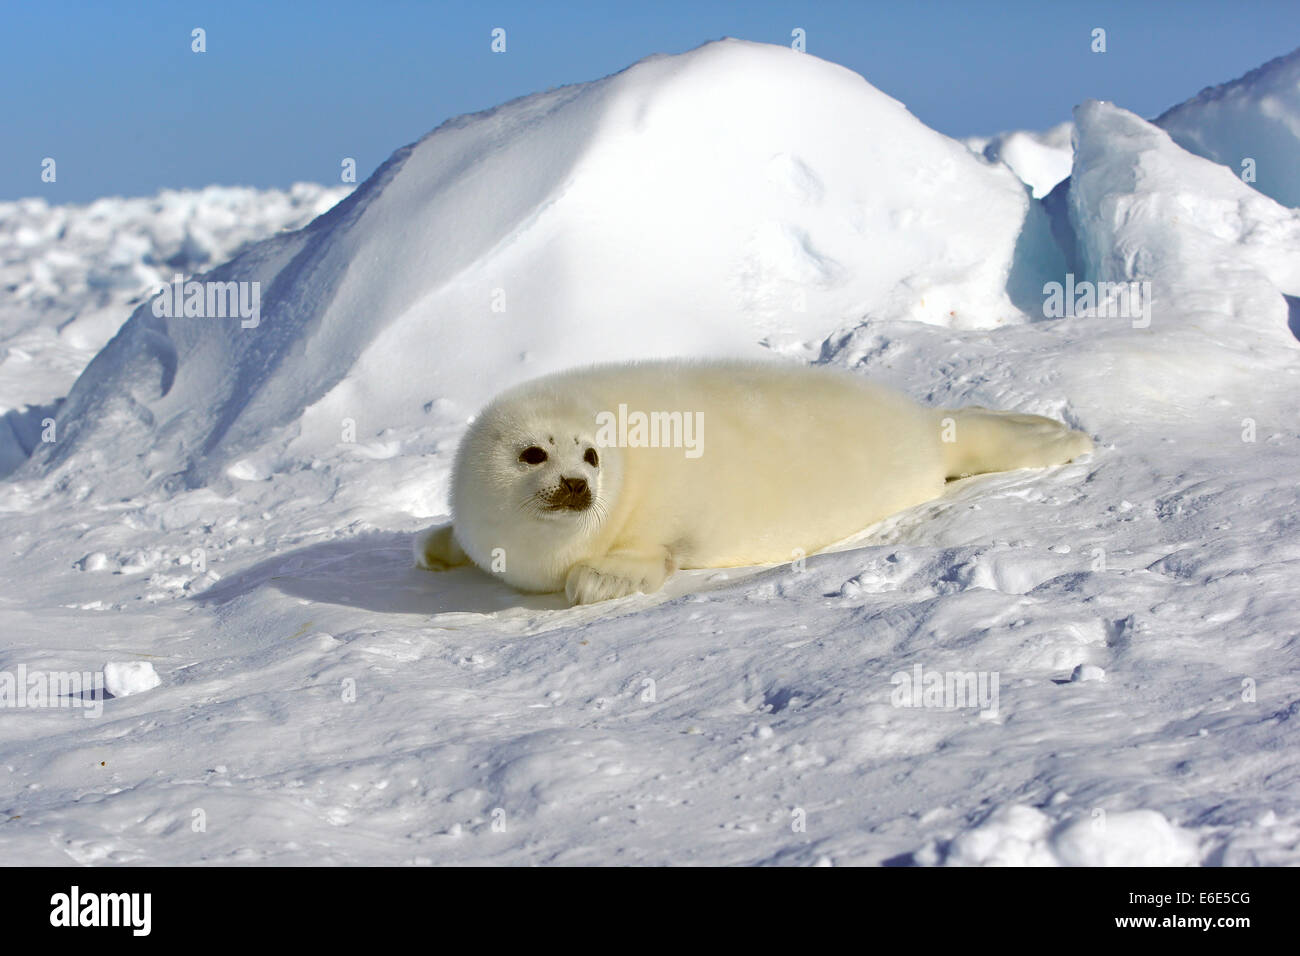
[(114, 94)]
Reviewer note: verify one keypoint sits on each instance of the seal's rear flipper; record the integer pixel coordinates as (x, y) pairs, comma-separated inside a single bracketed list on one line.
[(976, 440)]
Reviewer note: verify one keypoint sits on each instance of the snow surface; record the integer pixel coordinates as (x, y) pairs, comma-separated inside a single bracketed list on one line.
[(1041, 160), (1256, 117), (204, 511), (71, 273), (1023, 836)]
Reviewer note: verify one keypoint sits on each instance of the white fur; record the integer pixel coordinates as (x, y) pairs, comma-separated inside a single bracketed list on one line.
[(792, 459)]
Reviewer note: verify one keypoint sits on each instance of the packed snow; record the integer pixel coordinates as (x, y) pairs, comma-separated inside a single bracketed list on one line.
[(223, 507), (130, 677)]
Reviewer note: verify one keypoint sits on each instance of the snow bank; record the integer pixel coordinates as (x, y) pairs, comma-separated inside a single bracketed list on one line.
[(735, 196), (1212, 263), (1249, 124)]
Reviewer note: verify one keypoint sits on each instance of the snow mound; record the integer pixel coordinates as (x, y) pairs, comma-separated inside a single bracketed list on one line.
[(1212, 247), (1255, 118), (1212, 262), (130, 677), (1041, 160), (738, 196), (1023, 836)]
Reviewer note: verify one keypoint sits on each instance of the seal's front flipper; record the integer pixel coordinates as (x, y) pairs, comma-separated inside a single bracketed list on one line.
[(437, 550), (977, 440), (617, 575)]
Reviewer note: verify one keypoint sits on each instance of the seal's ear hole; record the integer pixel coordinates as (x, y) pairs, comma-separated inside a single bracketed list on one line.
[(592, 458), (532, 455)]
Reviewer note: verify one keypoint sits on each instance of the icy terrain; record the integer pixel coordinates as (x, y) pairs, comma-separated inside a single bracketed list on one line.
[(233, 506), (71, 274), (1041, 160), (1251, 122)]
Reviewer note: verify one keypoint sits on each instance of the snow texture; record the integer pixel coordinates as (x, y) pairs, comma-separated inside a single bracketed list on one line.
[(1041, 160), (70, 274), (233, 507), (1254, 120)]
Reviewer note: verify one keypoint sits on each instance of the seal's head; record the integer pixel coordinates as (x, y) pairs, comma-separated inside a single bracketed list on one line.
[(532, 489)]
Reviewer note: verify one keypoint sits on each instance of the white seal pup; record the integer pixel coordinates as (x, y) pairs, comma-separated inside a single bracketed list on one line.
[(603, 481)]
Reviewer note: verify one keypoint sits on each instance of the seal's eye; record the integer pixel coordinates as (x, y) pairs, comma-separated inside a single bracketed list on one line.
[(532, 455), (592, 458)]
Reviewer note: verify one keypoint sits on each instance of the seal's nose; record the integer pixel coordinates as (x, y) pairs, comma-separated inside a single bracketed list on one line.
[(574, 486)]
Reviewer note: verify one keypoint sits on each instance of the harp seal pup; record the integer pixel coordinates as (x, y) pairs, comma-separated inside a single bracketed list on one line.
[(557, 486)]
